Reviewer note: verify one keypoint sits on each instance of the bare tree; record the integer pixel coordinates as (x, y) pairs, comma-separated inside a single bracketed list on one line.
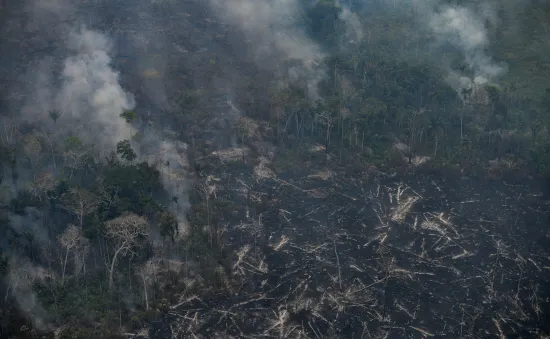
[(326, 119), (277, 100), (73, 240), (41, 185), (125, 231), (75, 154), (208, 189), (147, 274), (8, 133), (50, 139), (80, 202), (74, 160), (108, 196), (19, 276), (33, 149)]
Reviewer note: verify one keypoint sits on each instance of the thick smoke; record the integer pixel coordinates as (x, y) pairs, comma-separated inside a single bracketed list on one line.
[(91, 91), (272, 28), (462, 26), (466, 30), (149, 44), (79, 81), (354, 28)]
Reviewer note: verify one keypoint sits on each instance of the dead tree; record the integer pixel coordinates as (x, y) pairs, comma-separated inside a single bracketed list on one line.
[(208, 189), (147, 273), (80, 202), (73, 240), (126, 232), (33, 150), (326, 119), (50, 139), (42, 184), (75, 155), (8, 133)]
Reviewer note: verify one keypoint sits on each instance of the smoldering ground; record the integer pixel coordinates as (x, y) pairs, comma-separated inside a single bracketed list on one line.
[(346, 257)]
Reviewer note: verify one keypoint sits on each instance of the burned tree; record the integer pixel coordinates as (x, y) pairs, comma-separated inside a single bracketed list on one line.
[(50, 140), (75, 154), (73, 240), (80, 203), (126, 232), (42, 185), (33, 150)]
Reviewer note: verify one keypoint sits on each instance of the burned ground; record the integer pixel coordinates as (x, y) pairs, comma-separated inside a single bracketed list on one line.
[(424, 254)]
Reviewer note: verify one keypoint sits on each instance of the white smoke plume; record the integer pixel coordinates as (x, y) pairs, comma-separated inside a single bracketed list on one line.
[(91, 92), (462, 26), (91, 100), (174, 179), (170, 158), (465, 29), (76, 78), (272, 29), (354, 28)]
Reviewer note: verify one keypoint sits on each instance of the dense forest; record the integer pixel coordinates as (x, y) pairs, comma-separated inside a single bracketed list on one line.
[(274, 168)]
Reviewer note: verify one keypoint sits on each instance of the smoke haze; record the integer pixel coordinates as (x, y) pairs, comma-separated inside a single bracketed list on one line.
[(466, 31), (272, 30), (92, 64), (91, 90)]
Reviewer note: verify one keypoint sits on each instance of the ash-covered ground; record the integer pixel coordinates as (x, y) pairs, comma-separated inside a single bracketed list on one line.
[(425, 254)]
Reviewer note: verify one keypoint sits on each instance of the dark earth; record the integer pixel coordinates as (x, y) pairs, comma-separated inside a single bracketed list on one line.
[(423, 254)]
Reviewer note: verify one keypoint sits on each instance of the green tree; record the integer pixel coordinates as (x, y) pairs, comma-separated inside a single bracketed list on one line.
[(133, 185), (54, 115), (124, 149), (129, 116)]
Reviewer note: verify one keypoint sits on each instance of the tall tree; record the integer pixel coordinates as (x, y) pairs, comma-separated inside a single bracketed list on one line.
[(124, 149), (74, 240), (50, 139), (80, 202), (33, 150), (74, 154), (42, 184), (126, 232), (54, 115)]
